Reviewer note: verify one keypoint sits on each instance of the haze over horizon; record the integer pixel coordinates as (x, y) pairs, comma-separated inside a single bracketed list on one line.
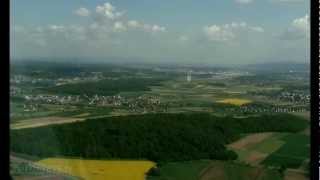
[(179, 31)]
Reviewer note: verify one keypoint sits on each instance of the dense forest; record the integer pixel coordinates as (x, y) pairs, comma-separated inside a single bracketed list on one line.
[(157, 137), (106, 86)]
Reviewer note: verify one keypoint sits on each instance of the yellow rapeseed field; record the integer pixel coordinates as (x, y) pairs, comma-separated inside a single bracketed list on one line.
[(235, 101), (99, 169)]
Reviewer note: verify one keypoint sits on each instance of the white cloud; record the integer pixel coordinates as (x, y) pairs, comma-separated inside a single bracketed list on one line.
[(302, 24), (154, 28), (119, 27), (56, 28), (82, 12), (110, 18), (133, 24), (229, 32), (299, 28), (183, 38), (244, 1), (217, 33), (257, 29), (107, 28), (109, 11)]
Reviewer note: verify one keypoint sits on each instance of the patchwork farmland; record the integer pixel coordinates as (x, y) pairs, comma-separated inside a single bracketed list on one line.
[(152, 123)]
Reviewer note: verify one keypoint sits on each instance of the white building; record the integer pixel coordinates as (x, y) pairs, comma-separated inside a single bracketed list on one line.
[(189, 78)]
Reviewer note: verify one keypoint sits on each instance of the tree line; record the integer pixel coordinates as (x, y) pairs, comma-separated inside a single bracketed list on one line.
[(157, 137)]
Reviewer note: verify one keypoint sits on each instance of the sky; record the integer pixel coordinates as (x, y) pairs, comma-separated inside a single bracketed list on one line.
[(179, 31)]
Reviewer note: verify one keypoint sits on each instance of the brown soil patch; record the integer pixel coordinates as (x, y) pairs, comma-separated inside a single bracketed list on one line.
[(213, 173), (294, 175), (254, 158), (45, 121), (249, 140)]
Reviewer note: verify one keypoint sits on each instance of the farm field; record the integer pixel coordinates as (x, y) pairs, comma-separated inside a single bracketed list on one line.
[(100, 169), (188, 170), (292, 154), (254, 148), (273, 149), (295, 175), (235, 101), (209, 170), (45, 121), (234, 171), (249, 140), (223, 124), (270, 144)]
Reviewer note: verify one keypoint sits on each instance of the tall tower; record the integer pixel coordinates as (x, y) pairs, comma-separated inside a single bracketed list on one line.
[(189, 78)]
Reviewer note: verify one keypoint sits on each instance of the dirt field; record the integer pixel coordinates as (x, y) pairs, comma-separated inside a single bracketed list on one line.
[(231, 171), (254, 158), (213, 173), (249, 140), (294, 175), (37, 122)]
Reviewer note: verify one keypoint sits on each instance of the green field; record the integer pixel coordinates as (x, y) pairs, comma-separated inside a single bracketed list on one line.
[(292, 154), (269, 145), (220, 170), (189, 170), (86, 112)]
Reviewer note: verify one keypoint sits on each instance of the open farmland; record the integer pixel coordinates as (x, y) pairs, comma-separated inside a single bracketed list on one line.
[(45, 121), (295, 175), (276, 149), (292, 154), (272, 149), (235, 171), (254, 148), (186, 170), (213, 170), (249, 140), (100, 169), (219, 125), (235, 101)]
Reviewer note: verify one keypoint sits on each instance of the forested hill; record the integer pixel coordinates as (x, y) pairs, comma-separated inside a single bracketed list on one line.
[(158, 137)]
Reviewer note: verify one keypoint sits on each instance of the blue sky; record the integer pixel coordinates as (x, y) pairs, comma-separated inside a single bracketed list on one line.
[(186, 31)]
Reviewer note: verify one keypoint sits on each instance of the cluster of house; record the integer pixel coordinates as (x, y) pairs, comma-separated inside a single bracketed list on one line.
[(295, 97), (52, 99), (18, 79), (273, 109), (145, 104), (30, 107), (253, 108), (14, 91), (134, 104)]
